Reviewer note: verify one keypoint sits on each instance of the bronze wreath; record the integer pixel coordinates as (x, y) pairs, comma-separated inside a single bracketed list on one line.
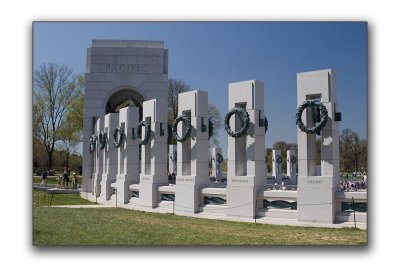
[(244, 119), (147, 132), (185, 120), (118, 136), (319, 125)]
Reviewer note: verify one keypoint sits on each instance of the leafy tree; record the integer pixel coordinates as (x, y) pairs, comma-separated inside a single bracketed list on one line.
[(364, 155), (54, 88), (69, 140), (353, 151), (75, 108), (71, 132)]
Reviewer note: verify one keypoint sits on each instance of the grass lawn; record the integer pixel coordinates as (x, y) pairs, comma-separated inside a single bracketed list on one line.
[(53, 179), (117, 226), (41, 198)]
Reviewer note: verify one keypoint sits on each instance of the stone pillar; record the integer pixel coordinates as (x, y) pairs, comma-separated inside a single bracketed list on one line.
[(216, 157), (98, 171), (94, 167), (192, 164), (277, 165), (110, 157), (154, 161), (316, 194), (291, 163), (172, 158), (246, 154), (128, 154)]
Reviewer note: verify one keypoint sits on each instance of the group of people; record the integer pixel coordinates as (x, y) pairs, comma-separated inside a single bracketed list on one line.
[(353, 185), (62, 180)]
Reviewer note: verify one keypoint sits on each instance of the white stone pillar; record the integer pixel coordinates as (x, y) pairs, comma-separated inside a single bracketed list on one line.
[(246, 154), (192, 164), (291, 163), (316, 194), (216, 157), (172, 158), (154, 162), (98, 171), (128, 154), (94, 167), (277, 166), (110, 157)]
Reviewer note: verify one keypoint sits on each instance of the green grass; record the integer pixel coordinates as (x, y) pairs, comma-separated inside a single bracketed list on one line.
[(42, 198), (52, 180), (117, 226)]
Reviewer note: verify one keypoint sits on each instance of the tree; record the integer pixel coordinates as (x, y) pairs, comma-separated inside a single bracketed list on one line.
[(69, 139), (268, 160), (175, 87), (216, 120), (55, 87), (364, 155), (75, 108), (351, 150), (71, 132)]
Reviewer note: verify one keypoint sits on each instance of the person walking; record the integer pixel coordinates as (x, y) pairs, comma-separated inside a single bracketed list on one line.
[(44, 178), (59, 181), (74, 182), (65, 179)]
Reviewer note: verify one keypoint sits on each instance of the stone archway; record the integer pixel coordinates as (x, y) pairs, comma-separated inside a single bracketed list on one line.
[(124, 98), (120, 73)]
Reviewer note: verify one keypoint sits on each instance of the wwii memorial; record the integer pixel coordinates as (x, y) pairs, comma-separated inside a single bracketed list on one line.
[(127, 154)]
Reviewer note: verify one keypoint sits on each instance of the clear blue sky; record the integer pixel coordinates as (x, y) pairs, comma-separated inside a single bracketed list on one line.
[(209, 55)]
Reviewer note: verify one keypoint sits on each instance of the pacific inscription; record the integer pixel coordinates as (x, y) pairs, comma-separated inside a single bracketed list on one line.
[(127, 68)]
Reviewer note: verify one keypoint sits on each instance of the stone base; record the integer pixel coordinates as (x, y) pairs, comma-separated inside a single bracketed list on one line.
[(241, 201), (187, 194), (316, 199), (105, 186), (149, 196), (123, 192)]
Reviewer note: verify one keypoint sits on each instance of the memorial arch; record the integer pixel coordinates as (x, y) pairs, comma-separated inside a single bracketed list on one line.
[(119, 73)]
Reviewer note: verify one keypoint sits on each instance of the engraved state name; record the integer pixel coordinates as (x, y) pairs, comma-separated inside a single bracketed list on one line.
[(314, 181), (127, 68), (240, 180), (185, 179)]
